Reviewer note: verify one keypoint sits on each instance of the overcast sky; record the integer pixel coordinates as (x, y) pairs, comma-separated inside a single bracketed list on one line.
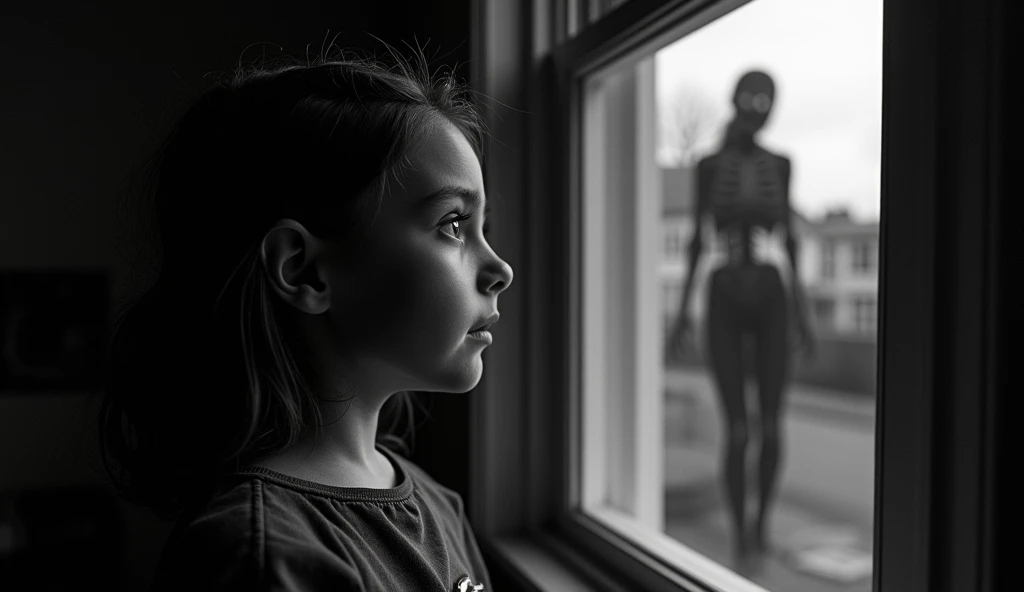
[(826, 59)]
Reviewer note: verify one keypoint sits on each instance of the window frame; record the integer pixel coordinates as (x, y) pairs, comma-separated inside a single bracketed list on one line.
[(935, 308)]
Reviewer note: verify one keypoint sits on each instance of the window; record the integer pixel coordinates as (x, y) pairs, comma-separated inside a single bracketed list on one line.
[(530, 428), (828, 259), (674, 244), (863, 257), (864, 315), (824, 313), (682, 496)]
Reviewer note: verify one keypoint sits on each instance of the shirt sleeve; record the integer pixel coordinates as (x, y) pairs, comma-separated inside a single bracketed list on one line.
[(199, 563), (206, 555), (228, 549)]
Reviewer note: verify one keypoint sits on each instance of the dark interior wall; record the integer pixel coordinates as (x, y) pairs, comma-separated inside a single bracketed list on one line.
[(88, 89), (1009, 407)]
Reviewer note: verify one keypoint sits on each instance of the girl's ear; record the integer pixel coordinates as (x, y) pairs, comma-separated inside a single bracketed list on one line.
[(291, 257)]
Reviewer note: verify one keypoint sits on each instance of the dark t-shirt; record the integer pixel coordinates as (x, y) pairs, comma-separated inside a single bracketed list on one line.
[(266, 531)]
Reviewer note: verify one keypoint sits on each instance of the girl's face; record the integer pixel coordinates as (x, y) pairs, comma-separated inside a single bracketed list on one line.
[(401, 315)]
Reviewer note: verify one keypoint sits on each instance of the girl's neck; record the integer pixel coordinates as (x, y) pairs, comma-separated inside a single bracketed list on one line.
[(343, 454), (299, 462)]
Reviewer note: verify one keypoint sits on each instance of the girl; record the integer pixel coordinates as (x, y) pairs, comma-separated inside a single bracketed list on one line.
[(323, 254)]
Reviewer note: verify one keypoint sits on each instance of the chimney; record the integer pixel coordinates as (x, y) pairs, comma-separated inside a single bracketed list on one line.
[(837, 214)]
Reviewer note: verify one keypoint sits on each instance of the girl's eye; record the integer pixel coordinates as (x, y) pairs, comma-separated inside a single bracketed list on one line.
[(455, 223)]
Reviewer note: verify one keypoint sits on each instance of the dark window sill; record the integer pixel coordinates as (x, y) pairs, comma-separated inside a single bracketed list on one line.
[(541, 563)]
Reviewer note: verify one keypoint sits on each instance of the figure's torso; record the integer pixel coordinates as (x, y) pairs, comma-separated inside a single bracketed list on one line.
[(746, 195), (746, 188)]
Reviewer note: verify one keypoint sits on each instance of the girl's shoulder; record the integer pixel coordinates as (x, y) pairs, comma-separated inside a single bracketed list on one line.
[(215, 543), (263, 526), (242, 539)]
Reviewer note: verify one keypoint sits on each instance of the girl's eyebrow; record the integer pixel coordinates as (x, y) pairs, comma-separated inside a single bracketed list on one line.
[(470, 196)]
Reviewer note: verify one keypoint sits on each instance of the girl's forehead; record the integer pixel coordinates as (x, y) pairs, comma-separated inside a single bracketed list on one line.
[(441, 156)]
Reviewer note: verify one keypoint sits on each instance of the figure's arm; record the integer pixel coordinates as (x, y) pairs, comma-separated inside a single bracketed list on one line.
[(704, 172), (792, 247)]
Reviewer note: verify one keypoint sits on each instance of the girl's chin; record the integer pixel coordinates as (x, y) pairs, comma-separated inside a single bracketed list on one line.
[(461, 377)]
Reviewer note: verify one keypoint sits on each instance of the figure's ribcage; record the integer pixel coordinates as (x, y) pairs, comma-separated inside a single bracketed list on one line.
[(747, 190)]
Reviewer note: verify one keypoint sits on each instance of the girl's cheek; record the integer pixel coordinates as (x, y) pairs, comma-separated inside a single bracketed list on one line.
[(395, 293), (418, 283)]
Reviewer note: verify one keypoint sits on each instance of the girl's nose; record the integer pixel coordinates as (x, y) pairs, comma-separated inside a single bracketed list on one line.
[(497, 278)]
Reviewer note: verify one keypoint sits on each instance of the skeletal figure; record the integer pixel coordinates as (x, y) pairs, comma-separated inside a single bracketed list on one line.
[(745, 189)]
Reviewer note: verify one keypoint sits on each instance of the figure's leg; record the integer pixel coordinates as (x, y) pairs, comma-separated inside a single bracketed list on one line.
[(725, 349), (772, 366)]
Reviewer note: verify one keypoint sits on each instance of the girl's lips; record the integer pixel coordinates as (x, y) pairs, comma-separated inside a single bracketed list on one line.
[(486, 324), (482, 335)]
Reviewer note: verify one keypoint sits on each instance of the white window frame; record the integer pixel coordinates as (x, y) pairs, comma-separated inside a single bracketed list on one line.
[(933, 520)]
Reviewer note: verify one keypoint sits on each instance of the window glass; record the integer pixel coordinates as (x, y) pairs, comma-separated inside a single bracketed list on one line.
[(749, 448)]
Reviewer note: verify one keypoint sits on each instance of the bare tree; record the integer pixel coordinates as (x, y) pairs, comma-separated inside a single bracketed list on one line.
[(689, 125)]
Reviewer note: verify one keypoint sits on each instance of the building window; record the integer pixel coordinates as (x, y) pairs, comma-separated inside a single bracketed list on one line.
[(673, 243), (864, 315), (863, 257), (824, 313), (828, 259)]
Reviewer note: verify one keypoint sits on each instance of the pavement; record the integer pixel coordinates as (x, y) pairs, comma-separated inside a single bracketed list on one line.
[(821, 525)]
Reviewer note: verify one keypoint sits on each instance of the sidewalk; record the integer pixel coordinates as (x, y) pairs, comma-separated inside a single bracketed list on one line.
[(823, 514), (797, 535)]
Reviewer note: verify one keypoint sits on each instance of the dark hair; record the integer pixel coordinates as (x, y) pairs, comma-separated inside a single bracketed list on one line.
[(203, 376)]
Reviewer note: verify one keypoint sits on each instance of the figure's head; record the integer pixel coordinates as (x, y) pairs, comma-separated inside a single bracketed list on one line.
[(753, 99), (295, 255)]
